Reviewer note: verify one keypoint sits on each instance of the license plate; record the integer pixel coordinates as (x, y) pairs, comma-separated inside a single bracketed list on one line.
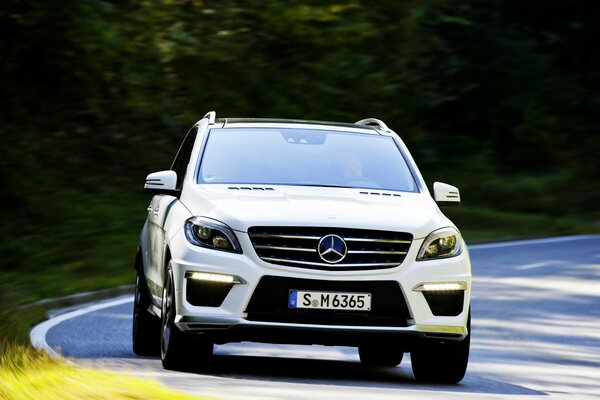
[(330, 300)]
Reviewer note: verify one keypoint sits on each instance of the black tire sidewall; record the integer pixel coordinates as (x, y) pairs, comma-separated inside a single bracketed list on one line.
[(144, 330), (167, 346), (442, 362)]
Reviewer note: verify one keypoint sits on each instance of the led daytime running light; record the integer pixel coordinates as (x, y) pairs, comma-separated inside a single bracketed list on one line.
[(205, 276), (440, 287)]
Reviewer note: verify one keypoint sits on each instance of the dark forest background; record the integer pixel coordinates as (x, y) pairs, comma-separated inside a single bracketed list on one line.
[(499, 98)]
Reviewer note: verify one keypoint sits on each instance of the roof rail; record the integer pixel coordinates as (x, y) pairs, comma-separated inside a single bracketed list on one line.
[(373, 122), (211, 115)]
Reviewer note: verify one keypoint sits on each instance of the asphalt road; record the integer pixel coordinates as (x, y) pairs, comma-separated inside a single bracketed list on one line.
[(536, 334)]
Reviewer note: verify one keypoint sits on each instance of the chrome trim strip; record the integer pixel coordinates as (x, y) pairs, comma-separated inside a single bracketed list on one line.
[(284, 248), (461, 330), (329, 265), (347, 239), (266, 235), (225, 322), (375, 252)]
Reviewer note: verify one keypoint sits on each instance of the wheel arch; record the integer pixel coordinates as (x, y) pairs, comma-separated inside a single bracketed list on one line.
[(167, 258), (138, 263)]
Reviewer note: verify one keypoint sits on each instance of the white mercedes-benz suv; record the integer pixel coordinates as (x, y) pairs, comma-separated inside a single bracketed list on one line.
[(301, 232)]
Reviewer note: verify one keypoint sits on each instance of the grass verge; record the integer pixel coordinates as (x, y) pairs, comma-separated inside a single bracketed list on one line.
[(29, 374)]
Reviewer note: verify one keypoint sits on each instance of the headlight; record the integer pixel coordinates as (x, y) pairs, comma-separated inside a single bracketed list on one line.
[(210, 233), (442, 243)]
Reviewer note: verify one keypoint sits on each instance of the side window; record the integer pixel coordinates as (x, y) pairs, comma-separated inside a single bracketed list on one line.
[(183, 156)]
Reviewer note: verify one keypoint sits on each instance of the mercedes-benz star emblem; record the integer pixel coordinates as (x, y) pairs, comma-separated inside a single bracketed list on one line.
[(332, 249)]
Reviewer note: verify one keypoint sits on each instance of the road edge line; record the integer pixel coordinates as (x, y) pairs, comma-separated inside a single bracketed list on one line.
[(37, 335), (531, 241), (82, 298)]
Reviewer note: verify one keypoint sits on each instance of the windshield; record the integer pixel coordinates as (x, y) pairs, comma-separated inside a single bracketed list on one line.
[(304, 157)]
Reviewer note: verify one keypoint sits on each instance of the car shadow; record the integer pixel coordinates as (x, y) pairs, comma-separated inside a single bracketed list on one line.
[(343, 373)]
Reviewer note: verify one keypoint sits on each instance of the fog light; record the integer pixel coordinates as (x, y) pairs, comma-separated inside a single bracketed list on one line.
[(438, 287), (205, 276)]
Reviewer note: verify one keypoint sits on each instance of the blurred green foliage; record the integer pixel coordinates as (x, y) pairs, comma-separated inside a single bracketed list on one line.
[(496, 97)]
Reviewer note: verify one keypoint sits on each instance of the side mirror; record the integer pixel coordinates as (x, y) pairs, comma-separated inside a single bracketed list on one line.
[(445, 195), (162, 182)]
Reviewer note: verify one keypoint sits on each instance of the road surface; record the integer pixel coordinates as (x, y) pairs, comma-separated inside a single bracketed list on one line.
[(536, 334)]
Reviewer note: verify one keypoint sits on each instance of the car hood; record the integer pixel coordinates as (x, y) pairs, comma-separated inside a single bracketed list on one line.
[(244, 207)]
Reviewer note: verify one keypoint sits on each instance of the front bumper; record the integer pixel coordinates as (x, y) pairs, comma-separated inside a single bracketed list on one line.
[(229, 320), (226, 330)]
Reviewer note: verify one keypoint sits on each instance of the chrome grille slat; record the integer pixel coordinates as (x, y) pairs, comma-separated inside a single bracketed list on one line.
[(325, 264), (350, 239), (297, 247), (375, 252), (257, 235), (284, 248)]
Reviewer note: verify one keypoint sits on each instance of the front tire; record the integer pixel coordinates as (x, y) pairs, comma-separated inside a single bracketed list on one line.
[(178, 350), (442, 362), (380, 356), (146, 328)]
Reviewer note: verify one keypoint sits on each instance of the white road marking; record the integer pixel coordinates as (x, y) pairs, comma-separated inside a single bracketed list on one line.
[(531, 241), (535, 265), (38, 333)]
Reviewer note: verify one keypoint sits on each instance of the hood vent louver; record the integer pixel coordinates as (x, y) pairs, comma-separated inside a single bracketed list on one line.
[(381, 194), (251, 188)]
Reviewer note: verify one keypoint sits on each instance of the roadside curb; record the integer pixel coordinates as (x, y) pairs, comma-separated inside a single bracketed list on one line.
[(82, 298)]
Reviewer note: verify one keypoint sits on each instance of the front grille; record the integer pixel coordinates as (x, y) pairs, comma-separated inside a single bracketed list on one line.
[(297, 247), (269, 303)]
